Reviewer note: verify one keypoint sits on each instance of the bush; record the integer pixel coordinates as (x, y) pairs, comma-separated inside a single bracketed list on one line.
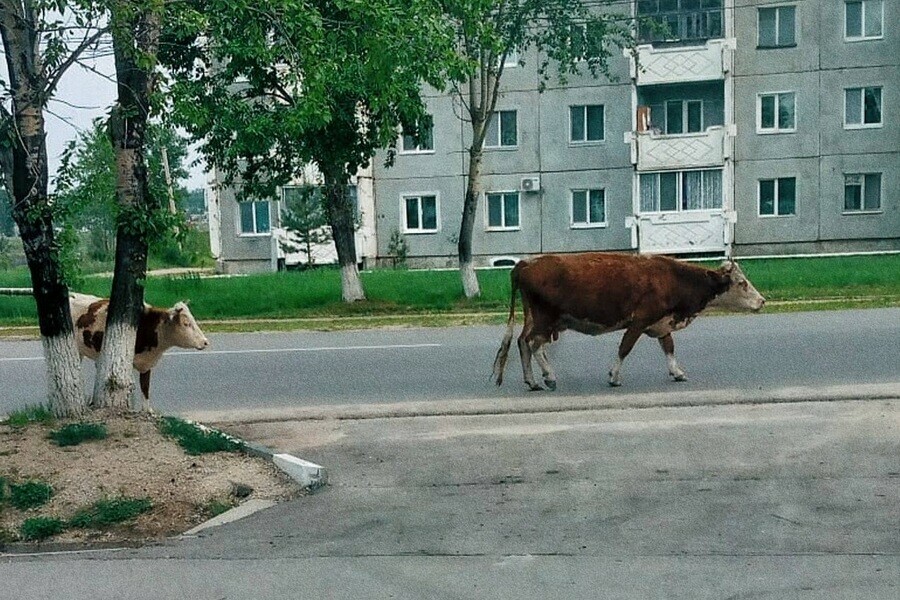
[(40, 528), (4, 489), (110, 511), (216, 507), (195, 440), (29, 414), (30, 494), (75, 433)]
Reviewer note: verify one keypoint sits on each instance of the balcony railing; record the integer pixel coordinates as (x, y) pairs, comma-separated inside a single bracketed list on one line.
[(678, 64), (680, 26), (655, 152)]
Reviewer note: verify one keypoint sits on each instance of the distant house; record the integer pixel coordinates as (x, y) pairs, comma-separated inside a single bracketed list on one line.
[(753, 128)]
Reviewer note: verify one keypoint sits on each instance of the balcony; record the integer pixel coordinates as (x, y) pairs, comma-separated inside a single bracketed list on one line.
[(652, 151), (681, 64)]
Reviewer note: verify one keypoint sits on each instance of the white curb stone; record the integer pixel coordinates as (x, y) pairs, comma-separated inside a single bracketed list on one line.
[(309, 475), (238, 512)]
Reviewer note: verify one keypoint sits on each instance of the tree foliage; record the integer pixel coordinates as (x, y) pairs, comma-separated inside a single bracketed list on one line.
[(303, 218)]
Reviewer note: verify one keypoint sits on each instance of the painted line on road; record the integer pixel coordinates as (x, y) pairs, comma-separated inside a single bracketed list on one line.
[(265, 351)]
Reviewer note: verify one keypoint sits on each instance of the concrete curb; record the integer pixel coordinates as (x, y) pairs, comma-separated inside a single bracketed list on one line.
[(308, 474), (528, 403)]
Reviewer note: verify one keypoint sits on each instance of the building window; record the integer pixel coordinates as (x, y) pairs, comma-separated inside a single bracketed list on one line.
[(684, 116), (778, 197), (512, 59), (777, 112), (680, 20), (862, 192), (862, 107), (776, 27), (502, 210), (863, 19), (409, 145), (588, 208), (503, 130), (586, 123), (681, 191), (420, 213), (255, 217)]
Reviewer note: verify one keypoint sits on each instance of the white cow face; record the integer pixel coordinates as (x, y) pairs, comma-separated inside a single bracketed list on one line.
[(740, 295), (186, 332)]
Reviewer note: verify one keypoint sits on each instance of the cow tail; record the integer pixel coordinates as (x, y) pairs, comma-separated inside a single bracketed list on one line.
[(503, 352)]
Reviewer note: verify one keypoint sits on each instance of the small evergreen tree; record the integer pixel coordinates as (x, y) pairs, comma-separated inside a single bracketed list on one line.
[(305, 219)]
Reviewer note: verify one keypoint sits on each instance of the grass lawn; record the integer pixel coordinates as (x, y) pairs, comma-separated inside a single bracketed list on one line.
[(833, 282)]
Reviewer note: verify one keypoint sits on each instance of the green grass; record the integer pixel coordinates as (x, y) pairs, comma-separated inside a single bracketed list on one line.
[(110, 511), (76, 433), (316, 293), (215, 507), (195, 440), (30, 494), (28, 415), (36, 529)]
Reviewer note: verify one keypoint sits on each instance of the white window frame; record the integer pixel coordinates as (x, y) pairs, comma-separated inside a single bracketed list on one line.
[(862, 108), (777, 8), (487, 211), (679, 192), (862, 195), (254, 233), (421, 229), (863, 37), (587, 224), (586, 142), (489, 144), (418, 149), (777, 201), (512, 59), (684, 116), (776, 129)]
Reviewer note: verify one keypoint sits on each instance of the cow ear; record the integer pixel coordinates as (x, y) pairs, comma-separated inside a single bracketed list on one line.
[(720, 280)]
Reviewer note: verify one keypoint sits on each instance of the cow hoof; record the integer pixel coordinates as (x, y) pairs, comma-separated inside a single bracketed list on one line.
[(551, 384), (615, 384), (533, 387), (681, 377)]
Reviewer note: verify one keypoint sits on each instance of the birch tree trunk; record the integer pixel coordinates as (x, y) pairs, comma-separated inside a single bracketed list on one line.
[(136, 31), (470, 209), (343, 230), (24, 162)]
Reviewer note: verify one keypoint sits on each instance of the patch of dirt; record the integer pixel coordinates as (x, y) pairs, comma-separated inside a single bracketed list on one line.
[(136, 461)]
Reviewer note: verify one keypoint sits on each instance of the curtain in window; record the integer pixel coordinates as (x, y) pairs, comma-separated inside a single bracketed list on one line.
[(511, 210), (597, 208), (873, 191), (873, 18), (853, 103), (785, 25), (649, 193), (872, 100), (786, 111), (508, 134), (691, 190), (262, 216), (668, 192), (767, 197), (766, 27), (712, 190)]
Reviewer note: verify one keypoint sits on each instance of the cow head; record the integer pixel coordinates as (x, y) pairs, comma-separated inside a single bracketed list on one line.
[(739, 293), (185, 332)]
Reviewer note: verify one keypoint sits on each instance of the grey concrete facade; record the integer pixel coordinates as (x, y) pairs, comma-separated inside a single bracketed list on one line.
[(725, 75)]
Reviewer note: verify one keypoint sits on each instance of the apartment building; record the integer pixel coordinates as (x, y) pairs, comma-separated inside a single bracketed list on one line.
[(754, 127)]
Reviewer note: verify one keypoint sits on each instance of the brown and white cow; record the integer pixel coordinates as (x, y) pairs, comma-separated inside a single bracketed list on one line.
[(158, 330), (599, 292)]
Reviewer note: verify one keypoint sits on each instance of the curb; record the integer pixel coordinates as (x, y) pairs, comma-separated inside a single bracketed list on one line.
[(308, 475)]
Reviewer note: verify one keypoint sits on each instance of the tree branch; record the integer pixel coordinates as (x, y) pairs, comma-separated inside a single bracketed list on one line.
[(54, 76)]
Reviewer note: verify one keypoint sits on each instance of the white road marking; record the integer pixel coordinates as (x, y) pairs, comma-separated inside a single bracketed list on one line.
[(264, 351)]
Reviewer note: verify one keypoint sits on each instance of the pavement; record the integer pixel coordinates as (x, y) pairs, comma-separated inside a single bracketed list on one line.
[(785, 496)]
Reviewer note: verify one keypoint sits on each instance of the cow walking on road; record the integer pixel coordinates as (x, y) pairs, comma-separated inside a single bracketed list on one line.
[(596, 293), (158, 330)]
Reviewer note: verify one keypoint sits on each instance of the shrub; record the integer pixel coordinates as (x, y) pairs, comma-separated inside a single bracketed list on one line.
[(30, 494), (40, 528), (4, 489), (216, 507), (110, 511), (195, 440), (75, 433), (29, 414)]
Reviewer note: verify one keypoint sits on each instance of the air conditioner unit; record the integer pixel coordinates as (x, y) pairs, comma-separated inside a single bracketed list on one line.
[(530, 184)]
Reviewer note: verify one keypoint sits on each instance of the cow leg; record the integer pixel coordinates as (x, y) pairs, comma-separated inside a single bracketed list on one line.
[(525, 355), (145, 392), (539, 349), (628, 341), (667, 343)]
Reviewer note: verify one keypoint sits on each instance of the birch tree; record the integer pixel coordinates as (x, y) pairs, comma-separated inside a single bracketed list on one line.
[(41, 41), (570, 36)]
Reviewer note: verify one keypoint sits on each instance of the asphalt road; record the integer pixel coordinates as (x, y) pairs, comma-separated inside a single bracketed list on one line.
[(746, 352)]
